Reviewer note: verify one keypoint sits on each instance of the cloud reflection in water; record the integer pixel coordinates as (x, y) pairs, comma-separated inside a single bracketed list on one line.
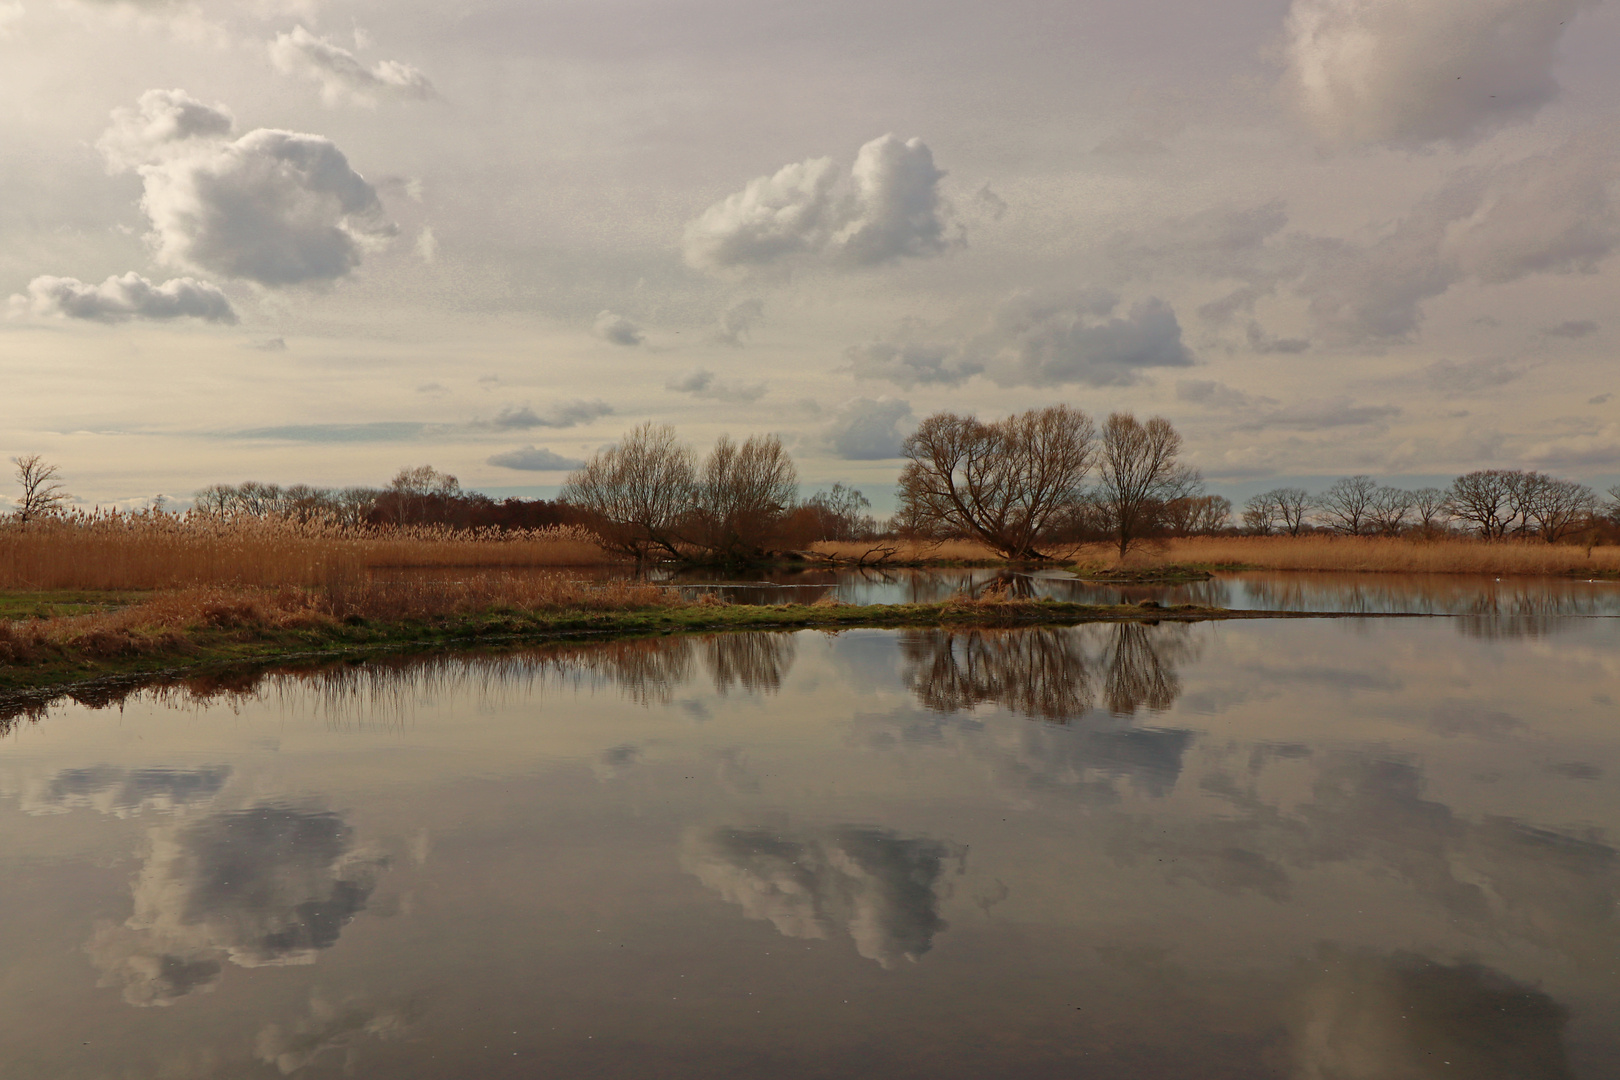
[(881, 887), (261, 886)]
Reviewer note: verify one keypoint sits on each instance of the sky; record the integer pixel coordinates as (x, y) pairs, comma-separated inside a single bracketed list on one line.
[(317, 241)]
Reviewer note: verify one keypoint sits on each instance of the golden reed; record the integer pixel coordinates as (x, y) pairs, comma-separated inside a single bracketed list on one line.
[(109, 550)]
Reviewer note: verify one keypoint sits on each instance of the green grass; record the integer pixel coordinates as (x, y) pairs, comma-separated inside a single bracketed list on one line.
[(48, 604)]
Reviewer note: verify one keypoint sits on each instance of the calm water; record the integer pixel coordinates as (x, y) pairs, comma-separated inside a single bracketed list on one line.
[(1307, 850), (1438, 594)]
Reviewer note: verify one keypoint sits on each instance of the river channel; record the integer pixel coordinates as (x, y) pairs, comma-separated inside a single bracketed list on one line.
[(1320, 849)]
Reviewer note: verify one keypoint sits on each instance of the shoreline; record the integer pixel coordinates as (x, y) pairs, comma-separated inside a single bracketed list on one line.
[(200, 649)]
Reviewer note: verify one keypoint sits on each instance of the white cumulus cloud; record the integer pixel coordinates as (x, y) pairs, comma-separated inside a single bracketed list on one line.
[(341, 75), (119, 299), (1409, 73), (275, 207), (885, 208)]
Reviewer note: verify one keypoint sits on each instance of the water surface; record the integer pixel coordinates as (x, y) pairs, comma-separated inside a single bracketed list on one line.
[(1305, 849)]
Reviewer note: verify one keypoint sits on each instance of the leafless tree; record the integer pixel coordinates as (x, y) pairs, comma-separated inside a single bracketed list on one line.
[(1009, 483), (1486, 500), (743, 495), (1432, 508), (1197, 515), (42, 491), (840, 513), (639, 490), (1389, 509), (1140, 474), (1553, 508), (1347, 503), (1261, 513), (1294, 505), (412, 488)]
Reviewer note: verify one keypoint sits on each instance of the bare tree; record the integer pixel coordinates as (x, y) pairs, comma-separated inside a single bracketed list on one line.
[(1140, 474), (840, 513), (1197, 515), (1554, 508), (639, 490), (1388, 510), (744, 493), (412, 488), (1294, 505), (1347, 503), (1261, 513), (1009, 484), (42, 492), (1486, 500), (1432, 508)]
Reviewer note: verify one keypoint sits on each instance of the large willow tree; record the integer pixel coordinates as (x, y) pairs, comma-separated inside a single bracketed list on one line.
[(1010, 483)]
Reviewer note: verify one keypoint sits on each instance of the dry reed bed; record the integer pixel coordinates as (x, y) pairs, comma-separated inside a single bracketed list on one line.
[(1373, 554), (165, 622), (160, 551)]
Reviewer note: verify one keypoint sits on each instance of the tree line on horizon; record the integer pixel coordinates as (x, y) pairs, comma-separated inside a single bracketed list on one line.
[(1029, 486)]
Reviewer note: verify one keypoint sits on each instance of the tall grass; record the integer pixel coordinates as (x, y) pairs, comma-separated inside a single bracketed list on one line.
[(109, 550), (1452, 555)]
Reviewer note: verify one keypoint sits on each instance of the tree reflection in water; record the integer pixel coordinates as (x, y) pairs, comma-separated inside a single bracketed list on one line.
[(387, 688), (1054, 674), (756, 662)]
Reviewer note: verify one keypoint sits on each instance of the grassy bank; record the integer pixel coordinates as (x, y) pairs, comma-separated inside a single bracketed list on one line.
[(201, 627)]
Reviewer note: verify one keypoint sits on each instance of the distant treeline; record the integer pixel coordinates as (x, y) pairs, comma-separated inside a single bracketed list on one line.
[(418, 496), (1495, 504)]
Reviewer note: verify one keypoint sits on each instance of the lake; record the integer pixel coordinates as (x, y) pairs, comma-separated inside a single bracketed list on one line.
[(1306, 849)]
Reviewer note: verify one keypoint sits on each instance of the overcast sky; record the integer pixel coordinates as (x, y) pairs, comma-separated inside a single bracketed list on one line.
[(317, 240)]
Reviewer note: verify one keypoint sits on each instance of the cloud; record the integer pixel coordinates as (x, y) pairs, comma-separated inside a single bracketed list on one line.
[(565, 415), (328, 1027), (1410, 74), (1262, 342), (11, 13), (887, 207), (912, 364), (869, 429), (165, 122), (1548, 213), (1323, 413), (274, 207), (268, 885), (701, 383), (124, 792), (1470, 376), (274, 344), (340, 73), (120, 299), (881, 888), (738, 320), (1361, 1015), (618, 329), (427, 245), (376, 431), (534, 459), (1574, 328), (1057, 341), (1082, 337), (1218, 395)]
